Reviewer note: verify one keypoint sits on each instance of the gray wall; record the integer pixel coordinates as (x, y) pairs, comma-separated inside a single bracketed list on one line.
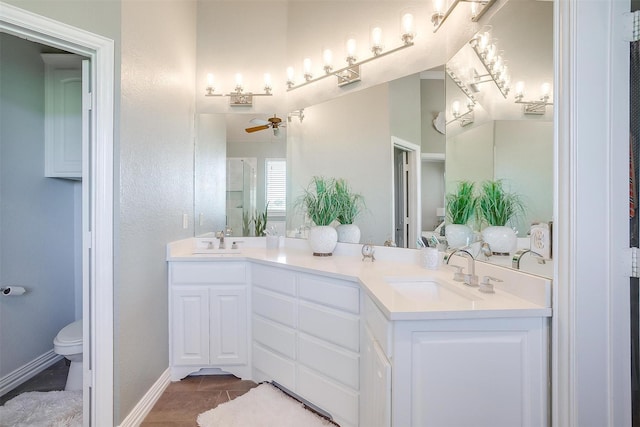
[(37, 234)]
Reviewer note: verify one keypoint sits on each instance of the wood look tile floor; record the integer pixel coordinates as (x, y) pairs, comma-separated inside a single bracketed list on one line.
[(183, 401)]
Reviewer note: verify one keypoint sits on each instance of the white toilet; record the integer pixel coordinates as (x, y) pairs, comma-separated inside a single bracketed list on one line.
[(68, 343)]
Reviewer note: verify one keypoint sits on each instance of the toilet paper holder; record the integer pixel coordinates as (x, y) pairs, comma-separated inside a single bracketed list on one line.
[(12, 291)]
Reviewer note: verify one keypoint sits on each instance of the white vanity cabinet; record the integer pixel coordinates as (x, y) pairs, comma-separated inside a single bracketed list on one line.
[(455, 372), (208, 317), (306, 337)]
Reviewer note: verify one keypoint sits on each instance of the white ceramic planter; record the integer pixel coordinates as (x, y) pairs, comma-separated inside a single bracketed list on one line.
[(458, 235), (323, 240), (501, 239), (348, 233)]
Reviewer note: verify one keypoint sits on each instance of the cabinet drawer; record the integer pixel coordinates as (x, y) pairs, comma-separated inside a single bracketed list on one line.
[(277, 337), (207, 272), (330, 325), (276, 307), (332, 361), (276, 279), (274, 366), (378, 325), (339, 401), (335, 293)]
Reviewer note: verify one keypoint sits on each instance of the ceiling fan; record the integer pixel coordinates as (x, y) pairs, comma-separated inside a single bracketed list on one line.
[(271, 122)]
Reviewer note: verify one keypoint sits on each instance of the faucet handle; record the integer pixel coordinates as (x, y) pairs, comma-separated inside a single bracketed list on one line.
[(486, 286), (458, 275)]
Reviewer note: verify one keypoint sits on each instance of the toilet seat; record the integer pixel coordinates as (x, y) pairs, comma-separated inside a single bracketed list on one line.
[(69, 339)]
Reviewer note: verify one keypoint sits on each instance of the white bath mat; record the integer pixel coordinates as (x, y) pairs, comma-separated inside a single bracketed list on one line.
[(43, 409), (263, 406)]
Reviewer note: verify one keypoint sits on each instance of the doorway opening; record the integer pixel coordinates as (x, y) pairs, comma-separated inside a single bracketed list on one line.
[(406, 193), (97, 200)]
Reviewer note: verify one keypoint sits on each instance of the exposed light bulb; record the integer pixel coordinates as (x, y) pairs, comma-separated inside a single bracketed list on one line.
[(290, 77), (327, 59), (306, 66), (210, 84), (474, 9), (267, 83), (438, 6), (408, 31), (376, 40), (545, 90), (455, 108), (351, 51), (519, 89), (238, 82)]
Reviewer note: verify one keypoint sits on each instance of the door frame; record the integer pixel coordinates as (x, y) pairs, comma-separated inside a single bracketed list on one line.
[(98, 233), (415, 211)]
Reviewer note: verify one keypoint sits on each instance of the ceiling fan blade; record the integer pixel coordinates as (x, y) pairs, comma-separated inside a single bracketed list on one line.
[(260, 122), (257, 128)]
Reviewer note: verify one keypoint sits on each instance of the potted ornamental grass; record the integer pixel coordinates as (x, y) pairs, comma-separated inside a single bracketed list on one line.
[(460, 208), (320, 202), (350, 205), (497, 207)]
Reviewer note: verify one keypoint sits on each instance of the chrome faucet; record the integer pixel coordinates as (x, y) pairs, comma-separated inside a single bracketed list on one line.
[(470, 277), (220, 235), (517, 256)]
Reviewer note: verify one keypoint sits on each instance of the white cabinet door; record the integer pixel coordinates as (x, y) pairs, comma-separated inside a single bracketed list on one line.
[(190, 326), (228, 327), (63, 116), (375, 407)]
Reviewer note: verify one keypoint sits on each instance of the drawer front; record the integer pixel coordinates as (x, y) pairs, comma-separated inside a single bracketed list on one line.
[(276, 279), (276, 307), (274, 367), (339, 401), (207, 272), (332, 361), (335, 293), (330, 325), (274, 336), (378, 325)]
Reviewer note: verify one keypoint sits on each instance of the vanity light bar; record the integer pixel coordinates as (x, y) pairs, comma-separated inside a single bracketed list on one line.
[(537, 107), (478, 8), (460, 83), (239, 98), (485, 50), (351, 73)]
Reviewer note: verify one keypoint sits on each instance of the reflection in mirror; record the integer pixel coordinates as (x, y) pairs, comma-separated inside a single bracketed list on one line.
[(501, 141), (231, 172), (353, 137)]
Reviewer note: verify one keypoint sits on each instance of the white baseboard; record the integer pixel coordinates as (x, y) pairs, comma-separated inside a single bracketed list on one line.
[(27, 371), (144, 406)]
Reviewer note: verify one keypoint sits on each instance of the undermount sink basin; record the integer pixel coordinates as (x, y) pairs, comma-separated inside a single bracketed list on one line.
[(427, 290)]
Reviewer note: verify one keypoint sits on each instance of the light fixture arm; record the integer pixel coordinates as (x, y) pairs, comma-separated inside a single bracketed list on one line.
[(438, 18)]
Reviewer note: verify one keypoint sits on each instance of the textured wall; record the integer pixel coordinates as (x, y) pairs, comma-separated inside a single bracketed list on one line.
[(36, 215), (156, 183)]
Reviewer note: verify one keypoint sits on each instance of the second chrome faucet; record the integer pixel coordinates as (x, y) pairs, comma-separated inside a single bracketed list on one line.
[(469, 278)]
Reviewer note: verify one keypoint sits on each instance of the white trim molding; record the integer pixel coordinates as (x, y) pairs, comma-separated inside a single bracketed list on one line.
[(27, 371), (144, 406), (98, 313), (591, 354)]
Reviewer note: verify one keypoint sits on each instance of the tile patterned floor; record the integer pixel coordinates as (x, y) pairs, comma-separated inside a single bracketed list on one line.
[(183, 400), (178, 406), (52, 378)]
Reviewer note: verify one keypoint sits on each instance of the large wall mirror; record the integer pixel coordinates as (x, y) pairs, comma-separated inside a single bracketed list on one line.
[(356, 135)]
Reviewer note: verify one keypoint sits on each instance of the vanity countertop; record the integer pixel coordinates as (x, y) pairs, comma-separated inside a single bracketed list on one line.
[(391, 280)]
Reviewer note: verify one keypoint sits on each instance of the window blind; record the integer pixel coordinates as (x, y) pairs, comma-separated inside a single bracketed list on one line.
[(276, 191)]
